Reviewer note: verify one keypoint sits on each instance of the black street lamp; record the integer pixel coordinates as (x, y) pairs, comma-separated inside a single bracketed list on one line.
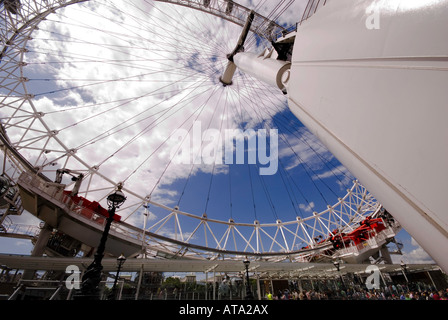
[(249, 295), (92, 276), (337, 265), (120, 261)]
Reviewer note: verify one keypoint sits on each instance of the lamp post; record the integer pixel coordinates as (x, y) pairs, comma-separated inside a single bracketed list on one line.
[(404, 269), (120, 261), (337, 265), (249, 295), (92, 276)]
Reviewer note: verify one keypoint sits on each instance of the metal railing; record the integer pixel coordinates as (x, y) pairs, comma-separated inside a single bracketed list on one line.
[(55, 192), (58, 290), (9, 227), (375, 241)]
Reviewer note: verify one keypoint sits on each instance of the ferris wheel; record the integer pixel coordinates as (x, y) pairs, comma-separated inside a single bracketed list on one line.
[(100, 94)]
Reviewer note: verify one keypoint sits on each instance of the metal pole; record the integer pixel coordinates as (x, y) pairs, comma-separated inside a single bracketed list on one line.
[(143, 251), (206, 285), (214, 284), (121, 290), (258, 287), (227, 76), (403, 270), (271, 71), (92, 276), (433, 283), (139, 282), (56, 292), (382, 277), (114, 287), (15, 293), (249, 295)]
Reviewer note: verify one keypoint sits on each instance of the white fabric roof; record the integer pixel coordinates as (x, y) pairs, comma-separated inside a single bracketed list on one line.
[(274, 269)]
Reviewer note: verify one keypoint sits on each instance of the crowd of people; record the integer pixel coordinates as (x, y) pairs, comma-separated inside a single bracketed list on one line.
[(387, 293)]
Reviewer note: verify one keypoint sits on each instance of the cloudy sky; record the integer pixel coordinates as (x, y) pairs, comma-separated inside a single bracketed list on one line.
[(117, 79)]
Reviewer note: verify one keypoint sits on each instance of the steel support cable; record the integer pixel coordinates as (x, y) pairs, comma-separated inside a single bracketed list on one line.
[(178, 71), (234, 116), (281, 163), (252, 38), (248, 166), (272, 206), (302, 138), (268, 196), (305, 164), (189, 37), (206, 40), (103, 81), (141, 26), (109, 132), (278, 120), (252, 192), (197, 155), (299, 189), (229, 166), (70, 59), (324, 161), (114, 62), (327, 163), (118, 128), (93, 84), (187, 25), (216, 153), (222, 28), (273, 16), (286, 7), (109, 62), (201, 108), (115, 129), (121, 102), (138, 167), (145, 130), (125, 37), (127, 53), (263, 183), (290, 191)]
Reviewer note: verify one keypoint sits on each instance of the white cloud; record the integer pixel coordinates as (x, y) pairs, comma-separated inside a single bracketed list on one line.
[(308, 208), (304, 149), (414, 255), (117, 79)]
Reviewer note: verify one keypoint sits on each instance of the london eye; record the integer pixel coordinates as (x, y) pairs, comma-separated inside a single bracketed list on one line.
[(97, 95)]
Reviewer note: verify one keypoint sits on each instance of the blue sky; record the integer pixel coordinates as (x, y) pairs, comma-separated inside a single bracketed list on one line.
[(81, 89)]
